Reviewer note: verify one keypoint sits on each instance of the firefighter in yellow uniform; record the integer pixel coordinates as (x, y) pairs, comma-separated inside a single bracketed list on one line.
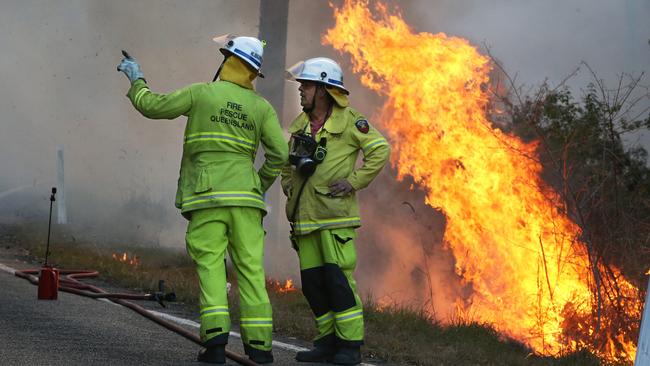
[(320, 182), (219, 190)]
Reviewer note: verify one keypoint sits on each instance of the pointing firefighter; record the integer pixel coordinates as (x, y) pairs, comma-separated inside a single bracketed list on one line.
[(219, 190), (320, 182)]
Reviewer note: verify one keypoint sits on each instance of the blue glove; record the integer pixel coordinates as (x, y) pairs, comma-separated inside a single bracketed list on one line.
[(130, 67)]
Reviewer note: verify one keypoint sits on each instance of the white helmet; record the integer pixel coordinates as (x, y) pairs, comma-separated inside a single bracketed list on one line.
[(320, 69), (249, 49)]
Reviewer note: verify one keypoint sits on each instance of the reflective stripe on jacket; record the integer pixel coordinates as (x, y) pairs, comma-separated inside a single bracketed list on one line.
[(225, 125), (344, 131)]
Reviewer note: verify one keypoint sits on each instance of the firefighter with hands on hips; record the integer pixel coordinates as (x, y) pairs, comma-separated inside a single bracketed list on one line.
[(219, 190), (320, 182)]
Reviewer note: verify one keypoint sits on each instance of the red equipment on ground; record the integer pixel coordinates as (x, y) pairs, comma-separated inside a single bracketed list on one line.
[(48, 280), (48, 283)]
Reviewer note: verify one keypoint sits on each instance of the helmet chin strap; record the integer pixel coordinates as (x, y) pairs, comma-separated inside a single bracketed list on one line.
[(219, 70)]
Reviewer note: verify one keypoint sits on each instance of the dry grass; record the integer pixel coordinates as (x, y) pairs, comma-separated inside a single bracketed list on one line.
[(396, 335), (154, 263), (463, 344)]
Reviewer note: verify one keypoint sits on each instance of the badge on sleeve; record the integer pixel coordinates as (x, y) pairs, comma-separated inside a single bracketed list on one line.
[(362, 126)]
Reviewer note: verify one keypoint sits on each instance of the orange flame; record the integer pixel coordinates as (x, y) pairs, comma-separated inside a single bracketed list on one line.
[(287, 287), (124, 258), (509, 232)]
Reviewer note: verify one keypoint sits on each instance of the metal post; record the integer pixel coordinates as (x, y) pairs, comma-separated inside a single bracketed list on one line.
[(61, 216), (273, 30), (49, 225)]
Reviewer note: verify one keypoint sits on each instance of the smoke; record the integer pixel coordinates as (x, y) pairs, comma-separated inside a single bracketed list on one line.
[(547, 40), (402, 260), (60, 87)]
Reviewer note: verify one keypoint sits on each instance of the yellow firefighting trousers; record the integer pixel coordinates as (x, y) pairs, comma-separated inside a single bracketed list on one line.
[(239, 230)]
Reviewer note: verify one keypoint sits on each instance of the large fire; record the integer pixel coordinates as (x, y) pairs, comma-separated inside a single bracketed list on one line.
[(530, 274)]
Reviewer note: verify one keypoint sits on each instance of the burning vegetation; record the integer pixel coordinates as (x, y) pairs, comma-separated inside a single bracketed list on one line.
[(132, 260), (277, 286), (531, 272)]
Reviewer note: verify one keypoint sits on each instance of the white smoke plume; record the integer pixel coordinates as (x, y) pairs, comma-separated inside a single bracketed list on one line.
[(60, 87)]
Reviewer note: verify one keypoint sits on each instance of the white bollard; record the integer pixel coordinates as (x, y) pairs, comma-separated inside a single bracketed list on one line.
[(643, 345), (62, 217)]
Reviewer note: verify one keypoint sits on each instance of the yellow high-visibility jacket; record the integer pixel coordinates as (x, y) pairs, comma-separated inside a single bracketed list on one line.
[(347, 133), (225, 125)]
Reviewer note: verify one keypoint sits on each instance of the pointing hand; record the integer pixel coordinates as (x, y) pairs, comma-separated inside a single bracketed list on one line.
[(130, 67)]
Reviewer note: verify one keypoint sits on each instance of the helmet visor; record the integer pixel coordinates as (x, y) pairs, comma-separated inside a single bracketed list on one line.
[(223, 40), (294, 72)]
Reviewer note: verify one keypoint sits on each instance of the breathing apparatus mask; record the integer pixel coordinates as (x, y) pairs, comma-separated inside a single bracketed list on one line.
[(305, 153)]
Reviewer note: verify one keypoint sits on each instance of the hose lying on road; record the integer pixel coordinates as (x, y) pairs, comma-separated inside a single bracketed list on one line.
[(69, 283)]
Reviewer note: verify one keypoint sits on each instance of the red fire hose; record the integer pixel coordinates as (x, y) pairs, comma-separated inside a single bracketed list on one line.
[(69, 283)]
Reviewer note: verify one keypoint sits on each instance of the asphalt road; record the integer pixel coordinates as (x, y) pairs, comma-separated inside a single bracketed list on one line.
[(76, 330)]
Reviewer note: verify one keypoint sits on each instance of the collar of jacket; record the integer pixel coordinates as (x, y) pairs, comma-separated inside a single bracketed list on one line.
[(235, 71), (339, 97), (335, 123)]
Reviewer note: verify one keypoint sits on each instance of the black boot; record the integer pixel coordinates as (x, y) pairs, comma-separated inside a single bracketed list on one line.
[(347, 356), (215, 354), (257, 355), (320, 353), (323, 350)]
